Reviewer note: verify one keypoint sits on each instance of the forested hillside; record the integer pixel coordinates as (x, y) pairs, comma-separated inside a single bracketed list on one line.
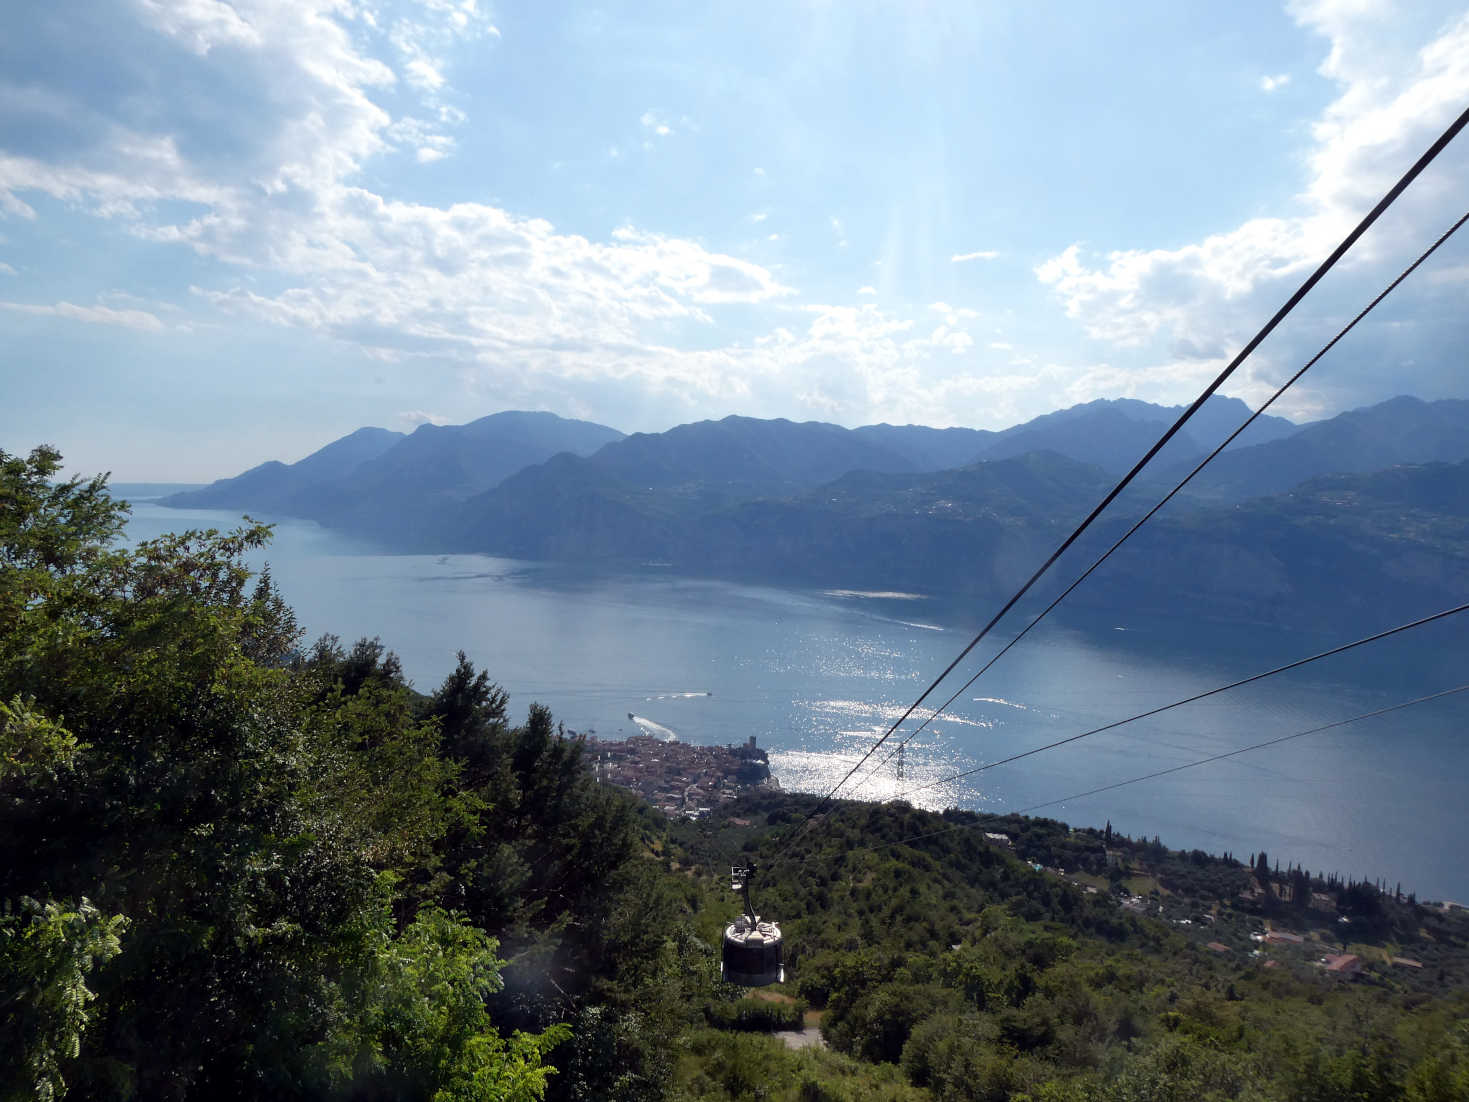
[(1337, 552), (231, 867), (234, 864), (957, 513)]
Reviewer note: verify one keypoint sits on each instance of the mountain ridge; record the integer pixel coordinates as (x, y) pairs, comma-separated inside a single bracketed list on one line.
[(389, 485)]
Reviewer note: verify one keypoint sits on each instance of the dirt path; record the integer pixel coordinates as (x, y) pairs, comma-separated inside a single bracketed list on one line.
[(810, 1037)]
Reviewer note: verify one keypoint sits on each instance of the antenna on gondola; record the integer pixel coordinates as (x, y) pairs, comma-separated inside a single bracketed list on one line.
[(753, 953)]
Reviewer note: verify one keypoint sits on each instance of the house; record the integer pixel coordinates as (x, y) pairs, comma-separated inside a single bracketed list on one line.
[(997, 839), (1282, 937), (1343, 964)]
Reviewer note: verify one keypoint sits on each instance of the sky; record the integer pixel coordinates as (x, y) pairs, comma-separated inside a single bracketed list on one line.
[(232, 232)]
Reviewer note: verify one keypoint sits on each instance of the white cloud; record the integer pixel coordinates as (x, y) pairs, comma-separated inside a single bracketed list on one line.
[(655, 123), (758, 217), (423, 138), (869, 290), (201, 25), (1457, 273), (7, 269), (981, 254), (424, 46), (953, 313), (117, 296), (1275, 83), (94, 315), (470, 276), (1212, 294), (290, 212), (412, 418)]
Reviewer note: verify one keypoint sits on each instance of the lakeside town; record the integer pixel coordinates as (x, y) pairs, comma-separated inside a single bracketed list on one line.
[(679, 778)]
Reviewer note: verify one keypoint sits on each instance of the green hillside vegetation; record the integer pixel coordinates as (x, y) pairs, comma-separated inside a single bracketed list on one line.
[(235, 865), (1337, 553), (1340, 550), (1343, 542)]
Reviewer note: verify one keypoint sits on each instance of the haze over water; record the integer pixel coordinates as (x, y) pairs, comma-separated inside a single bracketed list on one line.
[(817, 676)]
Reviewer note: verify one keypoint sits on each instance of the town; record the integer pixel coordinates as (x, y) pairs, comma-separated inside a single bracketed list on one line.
[(678, 778)]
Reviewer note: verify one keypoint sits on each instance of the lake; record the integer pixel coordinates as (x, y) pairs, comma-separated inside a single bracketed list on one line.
[(816, 676)]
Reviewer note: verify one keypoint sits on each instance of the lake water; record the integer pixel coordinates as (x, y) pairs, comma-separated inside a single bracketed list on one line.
[(816, 676)]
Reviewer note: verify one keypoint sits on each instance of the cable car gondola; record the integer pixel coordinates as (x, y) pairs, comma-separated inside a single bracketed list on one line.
[(753, 953)]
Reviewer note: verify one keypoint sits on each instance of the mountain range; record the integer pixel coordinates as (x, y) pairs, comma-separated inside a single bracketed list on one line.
[(390, 485), (940, 510)]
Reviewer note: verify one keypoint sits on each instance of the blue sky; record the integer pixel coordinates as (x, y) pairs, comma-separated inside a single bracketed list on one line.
[(233, 232)]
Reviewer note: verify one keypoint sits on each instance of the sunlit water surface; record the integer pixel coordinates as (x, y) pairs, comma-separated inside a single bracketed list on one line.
[(816, 676)]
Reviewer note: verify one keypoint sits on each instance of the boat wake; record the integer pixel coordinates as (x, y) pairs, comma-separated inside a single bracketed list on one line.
[(657, 730), (999, 700)]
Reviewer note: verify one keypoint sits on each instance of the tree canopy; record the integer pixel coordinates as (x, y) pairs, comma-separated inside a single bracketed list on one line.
[(235, 865)]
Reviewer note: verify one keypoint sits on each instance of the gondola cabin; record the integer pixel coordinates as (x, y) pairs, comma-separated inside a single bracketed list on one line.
[(753, 953)]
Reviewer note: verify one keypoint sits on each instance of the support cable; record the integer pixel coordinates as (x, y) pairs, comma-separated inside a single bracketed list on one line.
[(1245, 749), (1172, 493), (1174, 769), (1297, 664), (1326, 265)]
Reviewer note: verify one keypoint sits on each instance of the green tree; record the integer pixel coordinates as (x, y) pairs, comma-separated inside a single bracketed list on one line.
[(46, 951), (257, 817)]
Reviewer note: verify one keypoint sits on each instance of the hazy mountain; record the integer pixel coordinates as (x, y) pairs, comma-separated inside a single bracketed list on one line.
[(408, 490), (814, 503), (1368, 550), (622, 501), (394, 495), (930, 449), (1344, 551), (388, 485), (745, 452), (980, 528), (273, 486), (149, 491), (1115, 433), (868, 519), (1400, 430), (632, 499), (463, 460), (1111, 433)]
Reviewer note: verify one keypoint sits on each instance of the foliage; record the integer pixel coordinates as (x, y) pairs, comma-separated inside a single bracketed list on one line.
[(424, 1031), (231, 867), (32, 747), (46, 951), (756, 1015), (270, 823)]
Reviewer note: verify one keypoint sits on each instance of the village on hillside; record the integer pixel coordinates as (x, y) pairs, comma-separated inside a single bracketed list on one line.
[(679, 778)]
